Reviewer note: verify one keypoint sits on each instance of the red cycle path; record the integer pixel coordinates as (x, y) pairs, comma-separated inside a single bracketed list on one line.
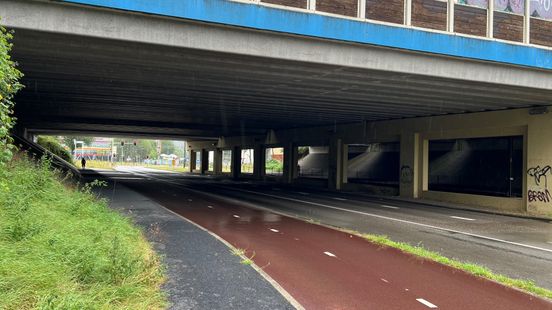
[(323, 268)]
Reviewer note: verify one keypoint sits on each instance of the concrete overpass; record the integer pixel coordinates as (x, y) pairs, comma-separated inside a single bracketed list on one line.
[(250, 75)]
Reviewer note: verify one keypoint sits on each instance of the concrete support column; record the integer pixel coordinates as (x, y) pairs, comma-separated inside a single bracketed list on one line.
[(337, 167), (192, 160), (236, 162), (259, 156), (410, 166), (290, 163), (537, 179), (218, 162), (204, 161)]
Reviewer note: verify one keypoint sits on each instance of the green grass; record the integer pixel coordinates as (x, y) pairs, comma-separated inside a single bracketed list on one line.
[(479, 271), (62, 248)]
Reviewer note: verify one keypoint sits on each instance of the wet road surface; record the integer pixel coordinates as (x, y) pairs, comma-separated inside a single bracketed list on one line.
[(320, 267)]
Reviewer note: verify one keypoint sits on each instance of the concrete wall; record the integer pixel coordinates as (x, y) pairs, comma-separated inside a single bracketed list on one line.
[(414, 135)]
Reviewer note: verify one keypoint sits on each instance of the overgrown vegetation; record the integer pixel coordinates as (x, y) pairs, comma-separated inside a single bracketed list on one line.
[(52, 145), (63, 248), (471, 268), (9, 85)]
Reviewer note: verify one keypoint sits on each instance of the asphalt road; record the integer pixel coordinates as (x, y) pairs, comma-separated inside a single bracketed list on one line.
[(516, 247)]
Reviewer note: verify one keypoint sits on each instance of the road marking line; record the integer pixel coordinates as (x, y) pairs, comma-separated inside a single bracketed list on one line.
[(236, 216), (389, 207), (549, 242), (302, 193), (338, 198), (462, 218), (274, 230), (190, 200), (369, 214), (398, 220), (384, 280), (210, 207), (329, 254), (426, 303)]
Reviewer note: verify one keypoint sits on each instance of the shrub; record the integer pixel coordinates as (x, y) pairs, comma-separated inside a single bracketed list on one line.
[(9, 85), (55, 147)]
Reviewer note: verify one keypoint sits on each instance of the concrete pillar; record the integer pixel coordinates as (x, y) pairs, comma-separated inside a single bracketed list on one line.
[(259, 156), (290, 163), (204, 161), (236, 162), (410, 165), (337, 167), (192, 160), (218, 162), (537, 182)]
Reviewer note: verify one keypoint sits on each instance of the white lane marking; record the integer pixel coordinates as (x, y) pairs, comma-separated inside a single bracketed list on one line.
[(462, 218), (338, 198), (210, 207), (329, 254), (426, 303), (190, 200), (274, 230), (303, 193), (296, 239), (369, 214), (399, 220), (236, 216), (384, 280), (389, 207), (549, 242)]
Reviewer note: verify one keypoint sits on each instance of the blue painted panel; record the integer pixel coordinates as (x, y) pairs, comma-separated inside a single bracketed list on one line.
[(308, 24)]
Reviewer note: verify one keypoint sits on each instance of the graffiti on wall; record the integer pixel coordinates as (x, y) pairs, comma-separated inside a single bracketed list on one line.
[(539, 176), (406, 174)]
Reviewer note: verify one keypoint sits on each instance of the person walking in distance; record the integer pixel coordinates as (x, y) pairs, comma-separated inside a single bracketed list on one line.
[(83, 163)]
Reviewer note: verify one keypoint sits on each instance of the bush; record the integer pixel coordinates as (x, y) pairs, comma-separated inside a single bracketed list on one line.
[(9, 85), (55, 147), (62, 248)]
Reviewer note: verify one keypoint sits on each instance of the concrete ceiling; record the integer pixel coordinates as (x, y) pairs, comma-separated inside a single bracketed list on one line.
[(102, 86)]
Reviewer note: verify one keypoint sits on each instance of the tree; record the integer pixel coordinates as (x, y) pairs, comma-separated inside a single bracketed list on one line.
[(68, 141), (167, 147), (9, 85)]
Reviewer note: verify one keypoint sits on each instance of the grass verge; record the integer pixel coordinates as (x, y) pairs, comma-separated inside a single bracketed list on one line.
[(62, 248), (474, 269)]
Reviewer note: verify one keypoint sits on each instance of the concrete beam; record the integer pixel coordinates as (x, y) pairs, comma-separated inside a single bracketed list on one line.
[(111, 24)]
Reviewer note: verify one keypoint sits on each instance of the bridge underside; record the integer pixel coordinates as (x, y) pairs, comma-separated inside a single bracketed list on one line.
[(243, 91), (102, 86)]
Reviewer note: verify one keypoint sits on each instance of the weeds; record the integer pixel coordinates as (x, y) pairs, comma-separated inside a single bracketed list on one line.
[(242, 253), (64, 249)]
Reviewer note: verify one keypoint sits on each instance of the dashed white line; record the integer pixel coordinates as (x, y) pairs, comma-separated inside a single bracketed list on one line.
[(236, 216), (190, 200), (303, 193), (399, 220), (426, 303), (339, 198), (384, 280), (389, 207), (274, 230), (330, 254), (462, 218), (210, 207)]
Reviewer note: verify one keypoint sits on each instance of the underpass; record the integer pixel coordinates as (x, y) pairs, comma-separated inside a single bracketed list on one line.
[(293, 110), (251, 216)]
